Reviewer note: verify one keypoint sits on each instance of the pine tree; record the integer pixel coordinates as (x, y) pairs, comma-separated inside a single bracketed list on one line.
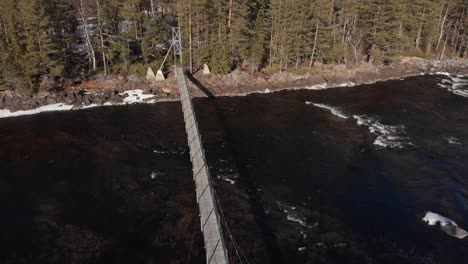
[(259, 37), (40, 52), (154, 38), (62, 33), (11, 51)]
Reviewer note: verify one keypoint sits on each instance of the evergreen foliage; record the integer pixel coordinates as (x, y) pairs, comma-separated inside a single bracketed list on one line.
[(45, 42)]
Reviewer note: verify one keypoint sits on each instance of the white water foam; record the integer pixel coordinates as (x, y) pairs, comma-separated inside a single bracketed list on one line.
[(227, 174), (453, 140), (334, 110), (455, 84), (387, 136), (228, 177), (293, 215)]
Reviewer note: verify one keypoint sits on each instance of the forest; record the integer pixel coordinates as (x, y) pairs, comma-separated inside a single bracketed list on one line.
[(48, 44)]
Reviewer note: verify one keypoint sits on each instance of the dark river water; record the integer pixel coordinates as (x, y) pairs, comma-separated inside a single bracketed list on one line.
[(340, 175)]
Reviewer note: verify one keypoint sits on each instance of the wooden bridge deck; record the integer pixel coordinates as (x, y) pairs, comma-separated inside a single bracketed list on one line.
[(210, 223)]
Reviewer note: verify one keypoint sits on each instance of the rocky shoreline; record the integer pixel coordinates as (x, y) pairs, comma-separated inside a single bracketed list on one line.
[(115, 90)]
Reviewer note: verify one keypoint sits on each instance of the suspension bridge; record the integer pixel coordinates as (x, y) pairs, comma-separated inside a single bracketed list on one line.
[(210, 221)]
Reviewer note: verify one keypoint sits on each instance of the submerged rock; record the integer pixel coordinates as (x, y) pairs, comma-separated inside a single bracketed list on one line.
[(454, 231)]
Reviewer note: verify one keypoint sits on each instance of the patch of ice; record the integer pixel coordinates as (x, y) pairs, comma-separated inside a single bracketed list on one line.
[(346, 84), (442, 73), (446, 225), (89, 106), (317, 87), (46, 108), (433, 218), (387, 136), (136, 96), (334, 110)]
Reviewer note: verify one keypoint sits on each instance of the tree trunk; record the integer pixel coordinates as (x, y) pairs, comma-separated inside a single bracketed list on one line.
[(312, 57), (198, 54), (87, 35), (272, 40), (443, 49), (401, 20), (104, 62), (332, 4), (418, 38), (230, 14), (442, 27), (152, 8), (458, 30), (190, 36)]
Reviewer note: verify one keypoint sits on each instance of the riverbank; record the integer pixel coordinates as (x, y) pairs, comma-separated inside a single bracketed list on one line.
[(118, 90)]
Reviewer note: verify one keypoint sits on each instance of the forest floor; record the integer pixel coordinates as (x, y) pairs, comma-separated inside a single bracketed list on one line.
[(115, 90)]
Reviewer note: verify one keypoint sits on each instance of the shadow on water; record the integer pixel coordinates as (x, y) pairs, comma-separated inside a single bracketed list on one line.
[(260, 222)]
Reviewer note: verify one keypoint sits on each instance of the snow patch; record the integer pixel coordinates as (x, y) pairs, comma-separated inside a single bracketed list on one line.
[(346, 84), (317, 87), (89, 106), (136, 96), (433, 218), (387, 135), (334, 110), (442, 73)]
